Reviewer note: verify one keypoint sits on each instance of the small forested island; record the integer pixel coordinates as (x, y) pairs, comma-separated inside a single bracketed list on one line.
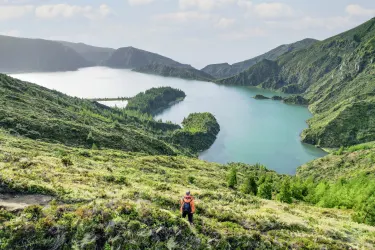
[(199, 132), (261, 97), (155, 100), (184, 72)]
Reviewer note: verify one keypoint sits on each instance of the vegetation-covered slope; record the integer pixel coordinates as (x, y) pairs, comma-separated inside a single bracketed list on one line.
[(39, 113), (22, 54), (225, 70), (93, 54), (108, 199), (131, 58), (154, 100), (336, 76), (199, 132), (189, 73)]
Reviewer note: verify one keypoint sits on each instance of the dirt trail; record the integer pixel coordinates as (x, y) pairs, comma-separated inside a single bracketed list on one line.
[(21, 201)]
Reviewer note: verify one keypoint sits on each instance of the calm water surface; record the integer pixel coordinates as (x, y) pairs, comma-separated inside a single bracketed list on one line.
[(252, 131)]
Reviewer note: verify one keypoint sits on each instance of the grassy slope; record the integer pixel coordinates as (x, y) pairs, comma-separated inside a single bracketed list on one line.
[(345, 163), (132, 199), (336, 76), (39, 113)]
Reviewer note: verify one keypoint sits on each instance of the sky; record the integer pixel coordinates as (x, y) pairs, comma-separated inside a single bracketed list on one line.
[(196, 32)]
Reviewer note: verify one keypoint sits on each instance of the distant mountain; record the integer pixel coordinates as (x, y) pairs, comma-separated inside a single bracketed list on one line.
[(224, 70), (131, 58), (26, 55), (335, 76), (171, 71), (96, 55)]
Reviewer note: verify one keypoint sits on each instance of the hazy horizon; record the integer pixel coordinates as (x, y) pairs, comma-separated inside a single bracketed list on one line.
[(196, 32)]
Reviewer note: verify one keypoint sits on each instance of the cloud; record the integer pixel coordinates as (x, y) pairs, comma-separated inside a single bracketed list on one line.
[(15, 33), (14, 11), (245, 4), (357, 10), (184, 16), (273, 10), (224, 23), (244, 34), (204, 4), (268, 11), (139, 2), (69, 11)]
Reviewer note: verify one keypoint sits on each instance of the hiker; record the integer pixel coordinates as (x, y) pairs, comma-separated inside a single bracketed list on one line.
[(187, 207)]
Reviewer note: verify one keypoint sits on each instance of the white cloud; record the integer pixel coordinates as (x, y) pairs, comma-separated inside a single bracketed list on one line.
[(273, 10), (184, 16), (69, 11), (15, 33), (139, 2), (224, 23), (104, 10), (311, 23), (244, 34), (357, 10), (14, 11), (245, 4), (204, 4)]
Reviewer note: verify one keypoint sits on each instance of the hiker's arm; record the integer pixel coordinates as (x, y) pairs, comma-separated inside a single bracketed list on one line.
[(192, 206)]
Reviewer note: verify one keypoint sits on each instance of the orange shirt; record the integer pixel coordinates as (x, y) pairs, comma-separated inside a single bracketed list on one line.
[(188, 199)]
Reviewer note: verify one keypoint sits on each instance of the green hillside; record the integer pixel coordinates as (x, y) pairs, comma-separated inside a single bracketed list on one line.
[(224, 70), (336, 76), (38, 113), (109, 199)]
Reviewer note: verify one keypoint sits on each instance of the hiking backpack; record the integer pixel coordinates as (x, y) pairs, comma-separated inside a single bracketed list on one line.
[(186, 207)]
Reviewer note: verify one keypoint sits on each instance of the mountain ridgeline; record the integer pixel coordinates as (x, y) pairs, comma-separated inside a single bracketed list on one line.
[(335, 76), (93, 54), (188, 73), (131, 58), (37, 55), (224, 70)]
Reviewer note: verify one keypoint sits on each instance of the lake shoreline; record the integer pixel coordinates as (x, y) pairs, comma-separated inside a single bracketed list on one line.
[(251, 131)]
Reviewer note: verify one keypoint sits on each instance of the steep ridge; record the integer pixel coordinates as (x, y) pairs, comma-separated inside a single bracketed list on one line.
[(225, 70), (37, 55), (336, 76), (93, 54), (188, 73), (131, 58)]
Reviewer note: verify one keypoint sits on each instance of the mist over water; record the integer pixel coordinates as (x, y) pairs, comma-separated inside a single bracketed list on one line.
[(252, 131)]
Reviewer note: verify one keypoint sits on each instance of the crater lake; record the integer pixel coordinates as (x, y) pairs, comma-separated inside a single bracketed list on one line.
[(252, 131)]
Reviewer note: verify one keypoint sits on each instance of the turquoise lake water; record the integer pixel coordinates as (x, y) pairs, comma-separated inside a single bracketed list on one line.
[(252, 131)]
